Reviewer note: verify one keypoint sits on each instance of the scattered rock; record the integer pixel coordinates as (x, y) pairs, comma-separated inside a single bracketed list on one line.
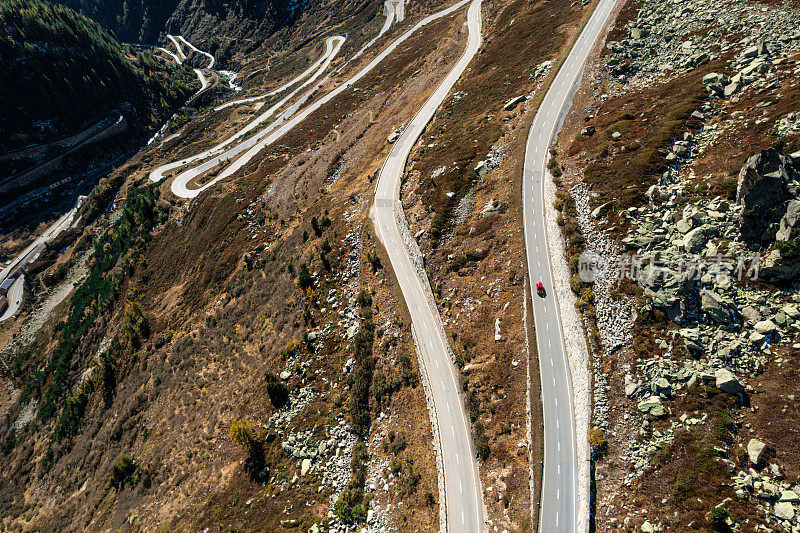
[(784, 510), (511, 104), (481, 170), (492, 207)]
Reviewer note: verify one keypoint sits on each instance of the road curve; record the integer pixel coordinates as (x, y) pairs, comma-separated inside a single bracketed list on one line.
[(389, 11), (174, 56), (462, 486), (329, 49), (181, 55), (193, 47), (281, 126), (560, 483)]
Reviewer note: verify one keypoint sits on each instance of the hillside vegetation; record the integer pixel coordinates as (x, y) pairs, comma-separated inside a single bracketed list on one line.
[(61, 70)]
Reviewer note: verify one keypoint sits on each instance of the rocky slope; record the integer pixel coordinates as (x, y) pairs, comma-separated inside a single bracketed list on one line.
[(680, 161)]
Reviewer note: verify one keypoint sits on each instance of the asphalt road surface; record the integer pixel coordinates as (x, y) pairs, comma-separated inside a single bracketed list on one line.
[(463, 495), (28, 255), (559, 502)]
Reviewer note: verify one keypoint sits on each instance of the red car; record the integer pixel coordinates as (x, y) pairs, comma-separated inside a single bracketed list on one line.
[(540, 289)]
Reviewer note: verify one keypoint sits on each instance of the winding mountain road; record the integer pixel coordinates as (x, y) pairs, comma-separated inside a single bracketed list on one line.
[(218, 155), (193, 47), (463, 502), (462, 486), (282, 125), (560, 510)]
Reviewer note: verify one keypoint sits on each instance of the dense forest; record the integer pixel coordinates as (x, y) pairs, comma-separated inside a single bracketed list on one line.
[(143, 21), (61, 69), (131, 20)]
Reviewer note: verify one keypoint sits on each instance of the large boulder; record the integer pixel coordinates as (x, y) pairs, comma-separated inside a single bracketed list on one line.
[(305, 467), (789, 222), (662, 387), (789, 496), (765, 327), (778, 266), (666, 288), (715, 83), (715, 307), (696, 239), (767, 182), (784, 510), (756, 451), (652, 406), (727, 382)]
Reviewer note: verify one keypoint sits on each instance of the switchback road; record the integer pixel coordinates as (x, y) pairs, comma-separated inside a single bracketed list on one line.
[(276, 130)]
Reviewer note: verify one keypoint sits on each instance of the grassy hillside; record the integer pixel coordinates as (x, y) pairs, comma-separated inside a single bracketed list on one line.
[(61, 69)]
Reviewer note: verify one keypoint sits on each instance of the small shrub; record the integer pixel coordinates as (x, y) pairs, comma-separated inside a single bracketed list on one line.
[(374, 261), (304, 280), (349, 507), (597, 438), (397, 445), (575, 283), (123, 472), (277, 391), (481, 441), (684, 486), (719, 518), (364, 299), (244, 434)]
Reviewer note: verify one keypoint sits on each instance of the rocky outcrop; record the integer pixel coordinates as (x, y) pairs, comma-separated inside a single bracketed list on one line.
[(717, 307), (768, 190), (768, 183), (779, 267)]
